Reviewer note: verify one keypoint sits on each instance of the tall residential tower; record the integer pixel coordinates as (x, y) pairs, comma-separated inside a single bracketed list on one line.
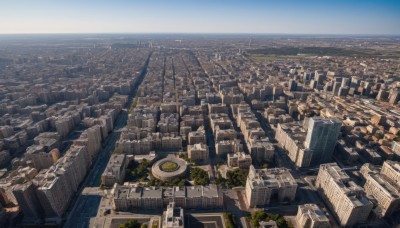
[(322, 135)]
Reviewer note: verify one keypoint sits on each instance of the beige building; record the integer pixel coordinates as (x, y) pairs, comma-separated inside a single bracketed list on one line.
[(384, 191), (27, 201), (41, 159), (224, 134), (261, 149), (343, 196), (311, 216), (291, 137), (264, 184), (396, 148), (198, 136), (191, 197), (56, 185), (115, 170), (198, 152), (382, 186), (391, 170), (173, 217), (171, 142), (229, 146), (240, 160)]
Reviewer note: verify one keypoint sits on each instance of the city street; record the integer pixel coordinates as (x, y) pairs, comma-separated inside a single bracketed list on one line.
[(86, 206)]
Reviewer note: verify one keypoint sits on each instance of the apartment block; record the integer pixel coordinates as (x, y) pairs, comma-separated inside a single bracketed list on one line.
[(263, 185), (240, 160), (311, 216), (198, 152), (345, 197)]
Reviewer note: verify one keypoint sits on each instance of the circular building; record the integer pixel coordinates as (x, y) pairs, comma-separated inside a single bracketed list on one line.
[(169, 168)]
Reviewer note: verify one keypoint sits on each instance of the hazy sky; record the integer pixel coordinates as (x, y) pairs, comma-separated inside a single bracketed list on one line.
[(202, 16)]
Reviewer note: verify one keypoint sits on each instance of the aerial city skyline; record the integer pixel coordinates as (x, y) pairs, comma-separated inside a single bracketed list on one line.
[(187, 114), (178, 16)]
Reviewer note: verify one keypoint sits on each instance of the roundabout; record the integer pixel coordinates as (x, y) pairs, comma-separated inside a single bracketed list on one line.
[(169, 168)]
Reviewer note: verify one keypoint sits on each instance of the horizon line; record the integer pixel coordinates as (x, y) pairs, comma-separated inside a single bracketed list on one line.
[(198, 33)]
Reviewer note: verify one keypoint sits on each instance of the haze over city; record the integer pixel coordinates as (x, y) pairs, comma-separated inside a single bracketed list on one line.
[(178, 16), (199, 114)]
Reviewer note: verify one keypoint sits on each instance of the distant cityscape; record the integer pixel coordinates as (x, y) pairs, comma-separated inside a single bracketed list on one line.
[(199, 130)]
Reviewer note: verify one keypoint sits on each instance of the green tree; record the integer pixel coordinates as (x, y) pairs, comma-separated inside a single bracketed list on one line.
[(199, 176), (236, 177), (181, 183), (131, 224), (228, 220)]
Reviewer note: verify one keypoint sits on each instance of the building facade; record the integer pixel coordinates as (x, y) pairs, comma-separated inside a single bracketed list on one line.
[(342, 195), (311, 216), (322, 135), (264, 185)]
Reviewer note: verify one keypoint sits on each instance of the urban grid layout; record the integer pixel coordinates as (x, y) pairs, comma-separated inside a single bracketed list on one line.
[(199, 130)]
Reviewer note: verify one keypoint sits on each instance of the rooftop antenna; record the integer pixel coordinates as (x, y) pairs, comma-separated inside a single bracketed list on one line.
[(250, 43)]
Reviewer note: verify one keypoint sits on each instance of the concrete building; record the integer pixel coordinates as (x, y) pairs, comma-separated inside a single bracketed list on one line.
[(115, 171), (264, 185), (171, 143), (396, 148), (384, 191), (311, 216), (240, 160), (322, 135), (261, 149), (391, 170), (56, 185), (174, 217), (40, 159), (383, 186), (198, 152), (311, 144), (54, 195), (191, 197), (342, 195), (198, 136), (229, 146), (291, 137), (27, 201)]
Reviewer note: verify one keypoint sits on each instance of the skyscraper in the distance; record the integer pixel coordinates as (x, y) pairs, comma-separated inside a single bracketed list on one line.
[(322, 135)]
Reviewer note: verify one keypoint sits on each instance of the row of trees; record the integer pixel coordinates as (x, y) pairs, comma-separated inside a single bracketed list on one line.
[(174, 182)]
